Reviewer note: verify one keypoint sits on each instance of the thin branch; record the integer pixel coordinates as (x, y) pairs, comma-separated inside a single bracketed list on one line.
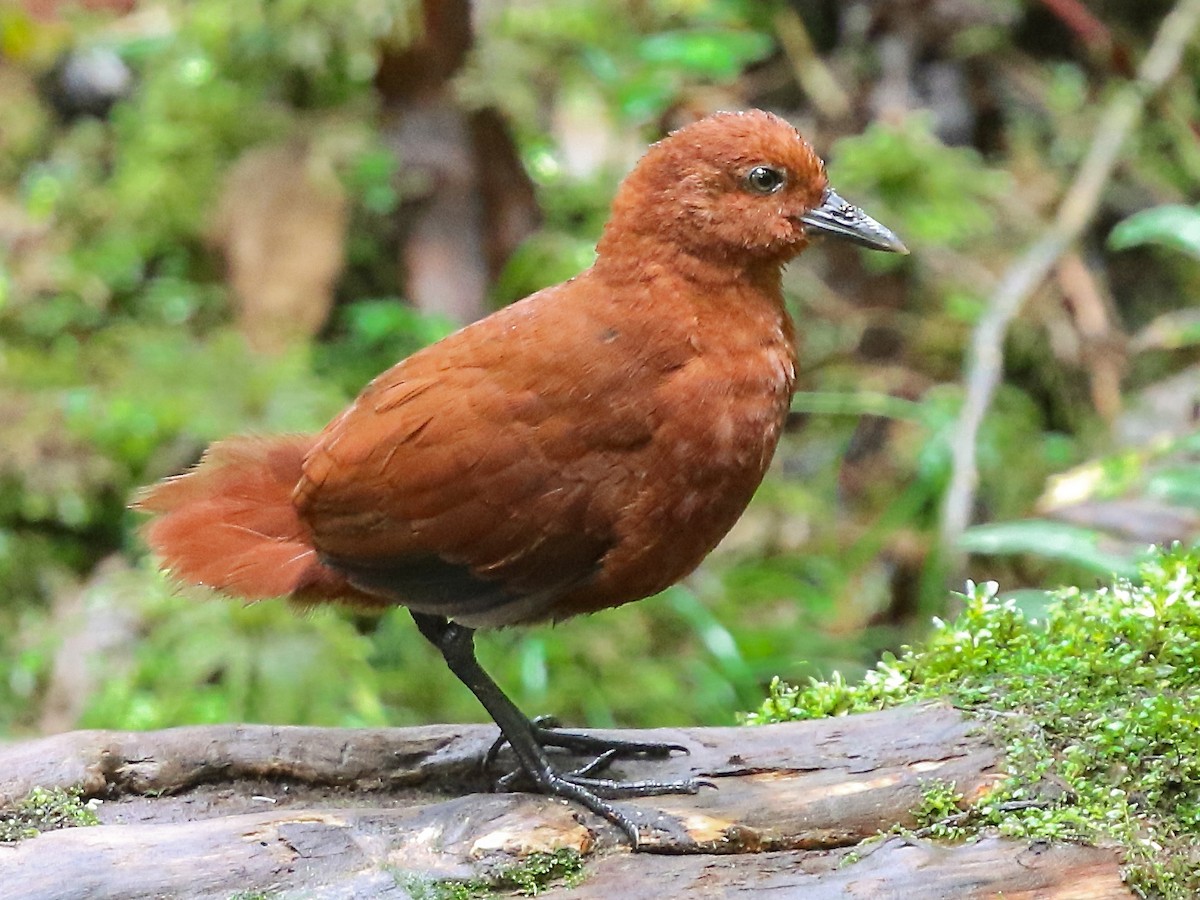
[(985, 359), (811, 73)]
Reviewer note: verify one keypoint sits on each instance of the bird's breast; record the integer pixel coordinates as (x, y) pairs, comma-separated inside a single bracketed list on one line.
[(718, 421), (726, 417)]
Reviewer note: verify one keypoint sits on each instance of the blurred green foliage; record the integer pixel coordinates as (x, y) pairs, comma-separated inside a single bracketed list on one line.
[(1163, 470), (632, 59), (1054, 540), (938, 195), (119, 361), (116, 358)]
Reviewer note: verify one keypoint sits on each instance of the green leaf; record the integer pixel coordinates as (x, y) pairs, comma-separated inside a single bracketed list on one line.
[(1034, 604), (1168, 226), (1053, 540), (1176, 485), (856, 403), (1170, 331), (719, 55)]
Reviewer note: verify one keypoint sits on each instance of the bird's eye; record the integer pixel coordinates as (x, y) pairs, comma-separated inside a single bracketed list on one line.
[(764, 180)]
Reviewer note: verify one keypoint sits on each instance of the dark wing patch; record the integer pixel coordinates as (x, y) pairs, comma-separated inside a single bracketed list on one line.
[(433, 585)]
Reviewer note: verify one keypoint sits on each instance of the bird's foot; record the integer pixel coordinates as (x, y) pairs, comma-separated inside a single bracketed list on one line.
[(581, 785), (546, 732), (608, 788), (594, 794)]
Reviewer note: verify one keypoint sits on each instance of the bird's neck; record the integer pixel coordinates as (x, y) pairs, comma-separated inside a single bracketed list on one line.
[(741, 303), (639, 257)]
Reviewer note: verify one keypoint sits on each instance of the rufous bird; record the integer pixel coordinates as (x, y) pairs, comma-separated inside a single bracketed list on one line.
[(580, 449)]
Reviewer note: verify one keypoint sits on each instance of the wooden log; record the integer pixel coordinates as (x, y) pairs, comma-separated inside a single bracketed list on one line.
[(209, 811), (895, 869)]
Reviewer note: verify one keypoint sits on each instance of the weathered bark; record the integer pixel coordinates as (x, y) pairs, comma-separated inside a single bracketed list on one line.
[(895, 869), (210, 811)]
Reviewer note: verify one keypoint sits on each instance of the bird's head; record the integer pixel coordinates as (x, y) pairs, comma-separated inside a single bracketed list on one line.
[(738, 185)]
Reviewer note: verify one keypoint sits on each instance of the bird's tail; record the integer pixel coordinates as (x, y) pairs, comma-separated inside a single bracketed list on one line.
[(230, 524)]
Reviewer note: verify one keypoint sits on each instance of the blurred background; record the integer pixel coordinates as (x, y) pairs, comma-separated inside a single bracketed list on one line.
[(224, 216)]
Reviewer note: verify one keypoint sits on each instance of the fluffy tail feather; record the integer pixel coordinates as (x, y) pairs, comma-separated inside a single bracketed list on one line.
[(229, 524)]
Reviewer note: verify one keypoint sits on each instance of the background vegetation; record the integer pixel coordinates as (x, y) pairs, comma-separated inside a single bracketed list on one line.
[(132, 331)]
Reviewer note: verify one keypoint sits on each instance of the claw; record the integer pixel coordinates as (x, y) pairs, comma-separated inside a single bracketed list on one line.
[(599, 764)]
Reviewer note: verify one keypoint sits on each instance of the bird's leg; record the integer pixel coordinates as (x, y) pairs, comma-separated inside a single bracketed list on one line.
[(457, 646)]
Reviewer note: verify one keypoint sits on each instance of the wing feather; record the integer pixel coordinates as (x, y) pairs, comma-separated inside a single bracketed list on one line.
[(452, 485)]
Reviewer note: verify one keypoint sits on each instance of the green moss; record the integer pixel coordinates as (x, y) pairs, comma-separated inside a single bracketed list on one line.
[(940, 809), (45, 809), (540, 869), (1105, 743), (525, 878)]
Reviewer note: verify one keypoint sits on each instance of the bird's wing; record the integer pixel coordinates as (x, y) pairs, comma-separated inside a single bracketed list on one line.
[(470, 480)]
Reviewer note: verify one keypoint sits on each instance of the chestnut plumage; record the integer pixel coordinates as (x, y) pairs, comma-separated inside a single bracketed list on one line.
[(580, 449)]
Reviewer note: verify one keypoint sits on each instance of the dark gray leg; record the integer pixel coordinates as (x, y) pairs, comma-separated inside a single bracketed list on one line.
[(457, 646)]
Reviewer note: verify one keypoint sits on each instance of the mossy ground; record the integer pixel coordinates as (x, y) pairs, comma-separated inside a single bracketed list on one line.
[(1098, 699), (525, 878), (45, 809)]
